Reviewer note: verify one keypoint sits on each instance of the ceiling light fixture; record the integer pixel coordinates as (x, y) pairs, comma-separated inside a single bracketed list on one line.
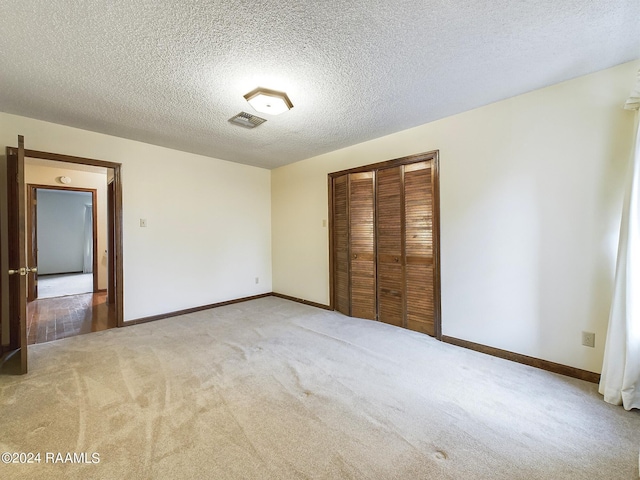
[(265, 100)]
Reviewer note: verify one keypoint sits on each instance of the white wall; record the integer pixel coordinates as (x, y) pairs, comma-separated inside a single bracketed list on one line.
[(61, 219), (209, 221), (531, 191), (48, 175)]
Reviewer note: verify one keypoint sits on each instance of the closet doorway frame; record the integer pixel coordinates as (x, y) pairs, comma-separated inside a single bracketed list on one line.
[(434, 156)]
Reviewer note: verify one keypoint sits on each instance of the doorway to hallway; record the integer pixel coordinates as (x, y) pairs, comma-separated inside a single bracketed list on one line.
[(51, 319), (68, 239)]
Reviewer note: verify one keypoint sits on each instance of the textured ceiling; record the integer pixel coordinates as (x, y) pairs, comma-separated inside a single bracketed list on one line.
[(172, 73)]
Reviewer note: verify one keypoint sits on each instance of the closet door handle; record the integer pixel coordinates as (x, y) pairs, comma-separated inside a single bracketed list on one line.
[(396, 259), (355, 255)]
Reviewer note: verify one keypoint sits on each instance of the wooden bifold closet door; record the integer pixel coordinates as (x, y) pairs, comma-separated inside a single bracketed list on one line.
[(362, 244), (418, 243), (391, 297), (384, 241), (354, 245)]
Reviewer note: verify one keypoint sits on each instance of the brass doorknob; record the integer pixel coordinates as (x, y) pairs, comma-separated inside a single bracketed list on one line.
[(23, 271)]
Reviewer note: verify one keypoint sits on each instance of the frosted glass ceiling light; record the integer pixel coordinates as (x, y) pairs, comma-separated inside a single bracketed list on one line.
[(265, 100)]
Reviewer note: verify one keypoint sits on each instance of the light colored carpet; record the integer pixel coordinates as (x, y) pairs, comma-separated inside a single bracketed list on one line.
[(270, 389), (65, 284)]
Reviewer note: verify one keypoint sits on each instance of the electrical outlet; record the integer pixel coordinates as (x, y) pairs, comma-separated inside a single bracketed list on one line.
[(257, 280), (143, 222), (588, 339)]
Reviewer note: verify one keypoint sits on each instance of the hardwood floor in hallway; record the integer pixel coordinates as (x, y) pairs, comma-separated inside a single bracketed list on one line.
[(54, 318)]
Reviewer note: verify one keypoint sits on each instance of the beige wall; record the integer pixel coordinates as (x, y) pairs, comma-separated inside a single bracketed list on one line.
[(531, 191), (209, 221), (44, 175)]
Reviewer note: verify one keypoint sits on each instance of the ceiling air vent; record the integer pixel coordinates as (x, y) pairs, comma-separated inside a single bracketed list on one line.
[(247, 120)]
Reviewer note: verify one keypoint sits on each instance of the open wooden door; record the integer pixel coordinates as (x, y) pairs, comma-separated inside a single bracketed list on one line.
[(111, 242), (18, 268), (32, 243)]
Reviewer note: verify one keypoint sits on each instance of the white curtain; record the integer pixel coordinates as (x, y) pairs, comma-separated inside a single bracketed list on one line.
[(620, 380), (88, 239)]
